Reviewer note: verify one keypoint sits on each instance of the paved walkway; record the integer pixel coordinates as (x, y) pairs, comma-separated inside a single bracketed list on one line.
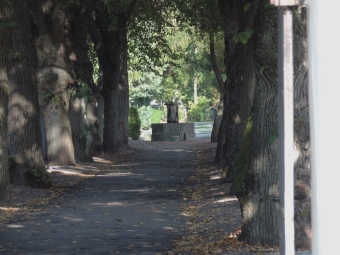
[(133, 209)]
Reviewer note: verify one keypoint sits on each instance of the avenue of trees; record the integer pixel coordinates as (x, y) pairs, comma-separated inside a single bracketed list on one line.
[(64, 90)]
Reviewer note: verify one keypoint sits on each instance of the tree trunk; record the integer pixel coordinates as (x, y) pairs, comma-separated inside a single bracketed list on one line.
[(97, 148), (6, 16), (55, 78), (239, 91), (303, 232), (230, 15), (93, 116), (110, 135), (221, 83), (83, 110), (195, 86), (258, 159), (240, 96), (123, 97), (81, 135), (24, 131)]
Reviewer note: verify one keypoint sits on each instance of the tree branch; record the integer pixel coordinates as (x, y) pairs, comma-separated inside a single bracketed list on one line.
[(38, 17), (102, 23), (214, 63)]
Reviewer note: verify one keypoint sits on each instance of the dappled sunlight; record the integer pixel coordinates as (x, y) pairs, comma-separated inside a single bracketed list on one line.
[(74, 219), (250, 210), (168, 228), (272, 192), (227, 199), (145, 190), (176, 150), (14, 226), (110, 204), (115, 174), (69, 172), (215, 177), (10, 209)]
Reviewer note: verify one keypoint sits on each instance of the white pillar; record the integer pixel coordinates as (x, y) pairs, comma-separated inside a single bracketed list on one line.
[(324, 97), (286, 129)]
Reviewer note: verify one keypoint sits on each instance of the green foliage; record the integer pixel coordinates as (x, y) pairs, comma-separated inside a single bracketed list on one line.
[(134, 124), (247, 7), (144, 88), (262, 69), (199, 111), (14, 55), (11, 161), (244, 36), (82, 91), (37, 176), (178, 82), (304, 213), (268, 5), (5, 24), (273, 135), (156, 116), (145, 113)]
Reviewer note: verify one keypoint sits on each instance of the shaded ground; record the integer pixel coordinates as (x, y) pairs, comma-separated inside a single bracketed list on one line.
[(153, 198)]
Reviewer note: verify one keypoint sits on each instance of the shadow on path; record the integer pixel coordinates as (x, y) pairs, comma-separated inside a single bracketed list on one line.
[(130, 208)]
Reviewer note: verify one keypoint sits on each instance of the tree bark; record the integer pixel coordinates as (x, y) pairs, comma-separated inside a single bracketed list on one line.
[(83, 112), (123, 97), (239, 91), (109, 41), (230, 15), (55, 77), (256, 174), (6, 16), (302, 168), (24, 131), (81, 135)]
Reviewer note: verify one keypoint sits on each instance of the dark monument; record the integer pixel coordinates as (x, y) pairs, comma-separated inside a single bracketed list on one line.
[(172, 112), (173, 130)]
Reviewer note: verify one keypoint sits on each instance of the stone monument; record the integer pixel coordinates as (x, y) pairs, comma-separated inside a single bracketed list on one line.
[(173, 130), (172, 116)]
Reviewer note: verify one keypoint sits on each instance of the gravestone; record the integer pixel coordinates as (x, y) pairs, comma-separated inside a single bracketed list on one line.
[(172, 116), (172, 130)]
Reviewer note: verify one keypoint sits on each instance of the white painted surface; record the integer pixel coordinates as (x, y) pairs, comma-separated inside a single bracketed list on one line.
[(324, 82)]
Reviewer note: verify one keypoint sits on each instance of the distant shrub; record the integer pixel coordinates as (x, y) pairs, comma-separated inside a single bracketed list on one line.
[(199, 111), (156, 116), (145, 113), (134, 124)]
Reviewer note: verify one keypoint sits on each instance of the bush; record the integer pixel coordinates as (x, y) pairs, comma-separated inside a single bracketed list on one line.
[(156, 116), (199, 111), (134, 124), (145, 113)]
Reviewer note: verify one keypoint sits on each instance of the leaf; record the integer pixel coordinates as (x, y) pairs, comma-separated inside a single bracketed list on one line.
[(304, 213), (262, 69), (244, 36), (267, 5), (247, 7)]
